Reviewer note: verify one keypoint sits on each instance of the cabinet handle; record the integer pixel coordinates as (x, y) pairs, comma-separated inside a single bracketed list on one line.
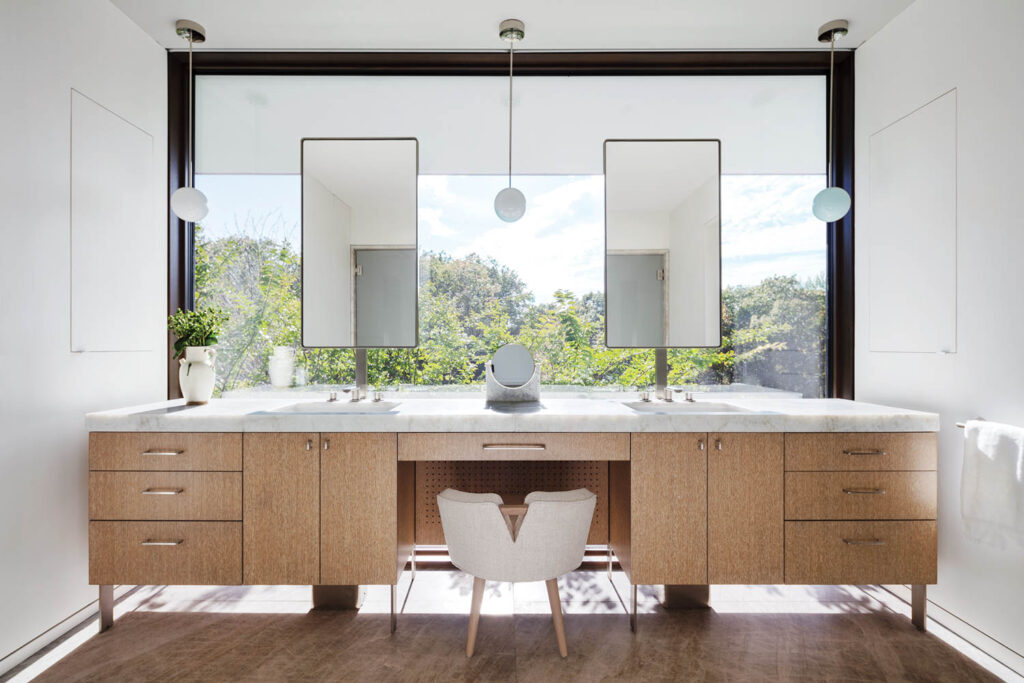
[(153, 541), (718, 444), (163, 452), (309, 444), (161, 492), (327, 444), (863, 541), (514, 447), (868, 491), (872, 451), (700, 444)]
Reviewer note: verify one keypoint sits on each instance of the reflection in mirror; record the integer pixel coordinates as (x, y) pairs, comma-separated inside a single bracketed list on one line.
[(663, 243), (359, 265)]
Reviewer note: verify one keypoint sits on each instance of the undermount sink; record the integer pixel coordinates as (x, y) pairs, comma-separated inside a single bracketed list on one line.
[(682, 407), (339, 407)]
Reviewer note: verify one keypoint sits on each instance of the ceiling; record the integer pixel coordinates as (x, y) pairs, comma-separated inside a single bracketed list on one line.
[(473, 25)]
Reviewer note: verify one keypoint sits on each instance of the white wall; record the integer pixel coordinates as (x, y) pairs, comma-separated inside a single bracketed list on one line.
[(694, 260), (50, 47), (929, 49)]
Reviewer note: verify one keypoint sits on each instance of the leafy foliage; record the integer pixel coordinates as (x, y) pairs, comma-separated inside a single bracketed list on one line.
[(773, 333), (196, 328)]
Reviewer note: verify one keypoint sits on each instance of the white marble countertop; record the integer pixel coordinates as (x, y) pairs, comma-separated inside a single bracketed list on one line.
[(601, 413)]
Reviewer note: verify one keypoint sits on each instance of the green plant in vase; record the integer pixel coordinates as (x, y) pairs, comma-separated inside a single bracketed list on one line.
[(196, 331)]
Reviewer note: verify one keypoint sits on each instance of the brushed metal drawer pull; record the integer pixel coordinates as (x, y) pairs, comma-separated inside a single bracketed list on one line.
[(700, 444), (873, 451), (327, 444), (309, 444), (718, 444), (867, 491), (863, 541), (514, 447), (161, 492), (163, 452), (153, 541)]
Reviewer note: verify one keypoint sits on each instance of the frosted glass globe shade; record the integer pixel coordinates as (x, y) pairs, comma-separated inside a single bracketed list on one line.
[(831, 204), (510, 205), (189, 204)]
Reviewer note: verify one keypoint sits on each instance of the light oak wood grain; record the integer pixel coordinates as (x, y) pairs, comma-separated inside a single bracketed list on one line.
[(513, 446), (861, 552), (669, 513), (861, 495), (745, 508), (358, 509), (198, 451), (842, 451), (212, 496), (619, 514), (281, 511), (210, 553)]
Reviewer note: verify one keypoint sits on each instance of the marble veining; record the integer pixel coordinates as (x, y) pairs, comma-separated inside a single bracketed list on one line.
[(553, 414)]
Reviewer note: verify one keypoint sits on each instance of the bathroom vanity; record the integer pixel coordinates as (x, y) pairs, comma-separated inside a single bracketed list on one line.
[(338, 494)]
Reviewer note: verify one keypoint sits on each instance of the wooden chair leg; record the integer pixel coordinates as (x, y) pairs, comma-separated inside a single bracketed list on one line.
[(474, 615), (556, 615)]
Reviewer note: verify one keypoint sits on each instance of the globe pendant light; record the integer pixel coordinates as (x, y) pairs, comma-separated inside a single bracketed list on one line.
[(510, 203), (188, 203), (832, 203)]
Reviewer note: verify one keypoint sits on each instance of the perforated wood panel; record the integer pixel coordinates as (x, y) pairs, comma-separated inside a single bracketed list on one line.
[(512, 480)]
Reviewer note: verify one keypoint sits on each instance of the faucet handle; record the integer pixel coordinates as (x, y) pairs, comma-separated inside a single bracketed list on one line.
[(333, 397)]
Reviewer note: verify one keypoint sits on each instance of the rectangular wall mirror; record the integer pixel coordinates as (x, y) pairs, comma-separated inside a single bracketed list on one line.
[(662, 243), (359, 244)]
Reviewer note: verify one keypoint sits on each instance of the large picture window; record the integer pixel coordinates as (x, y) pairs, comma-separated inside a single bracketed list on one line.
[(538, 281)]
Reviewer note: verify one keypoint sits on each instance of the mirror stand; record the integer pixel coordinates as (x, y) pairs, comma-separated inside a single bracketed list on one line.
[(660, 373), (362, 385)]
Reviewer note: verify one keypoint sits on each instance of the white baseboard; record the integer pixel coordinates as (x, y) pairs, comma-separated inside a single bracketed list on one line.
[(12, 660), (1011, 659)]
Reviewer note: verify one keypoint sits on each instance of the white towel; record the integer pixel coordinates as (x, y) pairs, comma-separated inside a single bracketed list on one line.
[(992, 483)]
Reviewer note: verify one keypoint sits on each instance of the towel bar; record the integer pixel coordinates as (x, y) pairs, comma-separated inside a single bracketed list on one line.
[(961, 425)]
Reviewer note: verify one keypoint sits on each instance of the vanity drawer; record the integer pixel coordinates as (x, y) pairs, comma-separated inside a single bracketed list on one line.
[(861, 451), (157, 553), (165, 495), (166, 451), (861, 552), (861, 495), (513, 446)]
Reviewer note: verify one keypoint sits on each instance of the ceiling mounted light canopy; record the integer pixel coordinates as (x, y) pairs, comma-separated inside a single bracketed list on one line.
[(832, 203), (510, 203), (188, 203)]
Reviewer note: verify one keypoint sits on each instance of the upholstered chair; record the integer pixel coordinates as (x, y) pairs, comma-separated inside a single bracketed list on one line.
[(540, 540)]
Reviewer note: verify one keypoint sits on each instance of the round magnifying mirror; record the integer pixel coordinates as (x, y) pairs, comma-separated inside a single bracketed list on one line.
[(512, 365)]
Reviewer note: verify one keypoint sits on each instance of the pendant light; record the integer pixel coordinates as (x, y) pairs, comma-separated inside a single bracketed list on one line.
[(510, 203), (188, 203), (832, 203)]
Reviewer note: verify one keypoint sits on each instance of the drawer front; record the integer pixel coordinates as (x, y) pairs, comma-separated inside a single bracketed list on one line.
[(165, 451), (157, 553), (861, 495), (861, 451), (209, 496), (861, 552), (513, 446)]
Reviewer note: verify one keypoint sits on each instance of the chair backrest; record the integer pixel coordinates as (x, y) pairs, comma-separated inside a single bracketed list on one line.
[(550, 543)]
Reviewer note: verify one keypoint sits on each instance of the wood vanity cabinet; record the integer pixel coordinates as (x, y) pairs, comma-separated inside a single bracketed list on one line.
[(281, 508)]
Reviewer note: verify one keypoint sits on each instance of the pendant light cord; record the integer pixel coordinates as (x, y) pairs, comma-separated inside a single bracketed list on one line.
[(831, 79), (511, 50), (190, 164)]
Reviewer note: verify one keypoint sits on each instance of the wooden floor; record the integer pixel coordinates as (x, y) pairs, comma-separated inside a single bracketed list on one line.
[(749, 634)]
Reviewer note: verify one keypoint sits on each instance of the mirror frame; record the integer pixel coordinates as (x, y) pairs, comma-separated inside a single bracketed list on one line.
[(604, 167), (302, 238)]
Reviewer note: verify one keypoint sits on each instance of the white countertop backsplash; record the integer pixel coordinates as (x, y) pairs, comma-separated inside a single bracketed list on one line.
[(599, 413)]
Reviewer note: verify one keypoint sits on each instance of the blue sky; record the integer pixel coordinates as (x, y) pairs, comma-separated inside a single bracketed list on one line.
[(767, 224)]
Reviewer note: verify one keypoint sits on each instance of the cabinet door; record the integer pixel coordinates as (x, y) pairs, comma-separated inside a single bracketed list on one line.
[(281, 508), (745, 510), (359, 518), (668, 492)]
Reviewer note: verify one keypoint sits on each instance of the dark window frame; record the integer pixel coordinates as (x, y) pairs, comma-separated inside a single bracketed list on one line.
[(840, 235)]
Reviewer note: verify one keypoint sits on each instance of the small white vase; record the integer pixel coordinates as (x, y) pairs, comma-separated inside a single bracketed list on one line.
[(196, 374), (282, 367)]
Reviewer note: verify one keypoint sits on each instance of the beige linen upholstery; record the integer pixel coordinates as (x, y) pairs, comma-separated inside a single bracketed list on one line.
[(550, 542)]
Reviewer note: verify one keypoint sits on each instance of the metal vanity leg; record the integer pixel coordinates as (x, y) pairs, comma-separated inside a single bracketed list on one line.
[(918, 602), (632, 608), (394, 616), (106, 607)]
